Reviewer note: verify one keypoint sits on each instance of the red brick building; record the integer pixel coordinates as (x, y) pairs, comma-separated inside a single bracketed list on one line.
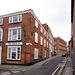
[(60, 46), (23, 39)]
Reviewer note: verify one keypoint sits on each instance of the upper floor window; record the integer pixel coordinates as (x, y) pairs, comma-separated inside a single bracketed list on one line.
[(36, 37), (1, 21), (15, 19), (44, 33), (47, 44), (44, 42), (36, 23), (1, 34), (14, 34), (44, 53), (41, 41), (41, 30), (47, 36)]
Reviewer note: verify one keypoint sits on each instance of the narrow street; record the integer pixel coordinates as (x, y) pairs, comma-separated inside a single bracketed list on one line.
[(51, 67)]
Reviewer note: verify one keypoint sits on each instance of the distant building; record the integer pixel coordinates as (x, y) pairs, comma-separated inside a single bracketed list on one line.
[(23, 39), (69, 48), (60, 46)]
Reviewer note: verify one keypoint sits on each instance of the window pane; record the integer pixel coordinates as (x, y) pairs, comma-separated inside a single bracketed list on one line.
[(9, 34), (20, 18), (19, 33), (10, 19), (9, 52), (36, 37), (13, 52), (15, 19), (13, 55), (18, 53), (0, 35), (36, 23), (14, 34), (1, 20)]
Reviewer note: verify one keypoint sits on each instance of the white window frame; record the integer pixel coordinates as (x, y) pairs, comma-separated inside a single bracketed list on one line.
[(11, 53), (2, 21), (36, 37), (12, 32), (41, 40), (36, 24), (17, 19), (1, 33), (35, 53)]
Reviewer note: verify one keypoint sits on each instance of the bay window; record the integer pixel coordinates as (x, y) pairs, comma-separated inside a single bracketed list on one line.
[(14, 52), (14, 34)]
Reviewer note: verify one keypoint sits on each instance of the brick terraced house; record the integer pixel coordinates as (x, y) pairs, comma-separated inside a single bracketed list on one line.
[(23, 39), (60, 46)]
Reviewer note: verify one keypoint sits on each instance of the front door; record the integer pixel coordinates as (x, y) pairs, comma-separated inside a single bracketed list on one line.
[(0, 53)]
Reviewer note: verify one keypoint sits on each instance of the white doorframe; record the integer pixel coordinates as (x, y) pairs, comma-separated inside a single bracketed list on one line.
[(0, 53)]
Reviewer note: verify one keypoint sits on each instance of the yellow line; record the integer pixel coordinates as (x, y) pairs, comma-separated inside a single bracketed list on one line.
[(61, 68)]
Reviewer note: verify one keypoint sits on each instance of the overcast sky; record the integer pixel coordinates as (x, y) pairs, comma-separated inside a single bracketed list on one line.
[(56, 13)]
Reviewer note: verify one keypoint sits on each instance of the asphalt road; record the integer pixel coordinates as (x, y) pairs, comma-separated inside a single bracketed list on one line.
[(48, 68)]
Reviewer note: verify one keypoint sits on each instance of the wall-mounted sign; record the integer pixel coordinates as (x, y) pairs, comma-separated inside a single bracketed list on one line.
[(15, 43), (28, 43)]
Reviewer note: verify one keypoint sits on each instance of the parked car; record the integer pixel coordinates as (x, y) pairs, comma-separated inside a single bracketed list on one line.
[(63, 55)]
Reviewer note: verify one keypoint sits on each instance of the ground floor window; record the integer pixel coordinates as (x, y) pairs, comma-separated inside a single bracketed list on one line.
[(35, 53), (44, 53), (14, 52)]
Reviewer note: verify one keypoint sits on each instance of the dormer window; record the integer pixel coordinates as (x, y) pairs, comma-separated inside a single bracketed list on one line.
[(15, 19)]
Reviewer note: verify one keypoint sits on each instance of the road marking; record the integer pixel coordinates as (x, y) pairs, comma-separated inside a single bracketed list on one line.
[(5, 73), (61, 68), (47, 62), (15, 71), (55, 71)]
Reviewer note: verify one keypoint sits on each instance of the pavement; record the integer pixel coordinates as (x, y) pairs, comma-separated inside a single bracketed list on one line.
[(19, 67), (68, 67)]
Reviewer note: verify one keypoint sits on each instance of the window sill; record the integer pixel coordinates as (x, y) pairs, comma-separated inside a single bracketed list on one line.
[(14, 41), (1, 24), (36, 43), (41, 45), (13, 59), (15, 22)]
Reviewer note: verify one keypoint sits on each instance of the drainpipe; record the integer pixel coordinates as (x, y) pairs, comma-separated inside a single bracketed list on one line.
[(72, 55)]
